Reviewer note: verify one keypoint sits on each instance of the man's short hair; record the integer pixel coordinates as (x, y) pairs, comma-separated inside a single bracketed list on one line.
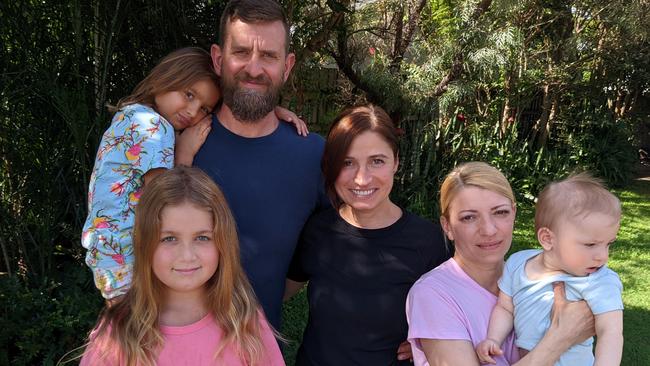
[(574, 198), (253, 11)]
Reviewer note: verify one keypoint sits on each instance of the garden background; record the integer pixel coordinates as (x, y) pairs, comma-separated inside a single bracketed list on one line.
[(537, 88)]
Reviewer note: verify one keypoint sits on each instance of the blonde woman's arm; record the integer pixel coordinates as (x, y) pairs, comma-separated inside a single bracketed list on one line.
[(571, 323)]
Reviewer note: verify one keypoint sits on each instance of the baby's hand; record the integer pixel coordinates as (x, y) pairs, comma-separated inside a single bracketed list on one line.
[(488, 348), (190, 141), (287, 115)]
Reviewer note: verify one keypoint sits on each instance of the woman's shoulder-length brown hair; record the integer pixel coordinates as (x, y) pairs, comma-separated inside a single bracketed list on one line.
[(349, 124)]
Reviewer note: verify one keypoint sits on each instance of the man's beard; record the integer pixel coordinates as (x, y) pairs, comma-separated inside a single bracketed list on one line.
[(249, 105)]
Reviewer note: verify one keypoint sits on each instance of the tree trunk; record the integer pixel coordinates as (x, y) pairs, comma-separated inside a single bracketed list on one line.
[(507, 108), (542, 126)]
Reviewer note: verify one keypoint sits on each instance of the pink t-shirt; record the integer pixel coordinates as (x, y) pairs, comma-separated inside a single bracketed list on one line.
[(195, 345), (445, 303)]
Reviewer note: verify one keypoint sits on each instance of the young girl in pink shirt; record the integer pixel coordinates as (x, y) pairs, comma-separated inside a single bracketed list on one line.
[(190, 302)]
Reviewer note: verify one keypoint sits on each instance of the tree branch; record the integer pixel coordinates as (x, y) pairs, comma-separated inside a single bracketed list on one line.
[(344, 63), (452, 74), (402, 43), (319, 40)]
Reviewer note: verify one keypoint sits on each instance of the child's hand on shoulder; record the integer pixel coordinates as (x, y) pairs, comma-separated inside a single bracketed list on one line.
[(486, 349), (190, 141), (287, 115)]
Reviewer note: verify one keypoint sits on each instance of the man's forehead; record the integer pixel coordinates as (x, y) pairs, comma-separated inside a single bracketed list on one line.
[(269, 34)]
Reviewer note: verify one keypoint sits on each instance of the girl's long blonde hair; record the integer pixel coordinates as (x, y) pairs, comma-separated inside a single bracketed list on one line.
[(131, 325), (177, 71)]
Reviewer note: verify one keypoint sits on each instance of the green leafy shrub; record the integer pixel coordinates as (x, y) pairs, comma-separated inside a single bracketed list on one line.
[(40, 323), (605, 147)]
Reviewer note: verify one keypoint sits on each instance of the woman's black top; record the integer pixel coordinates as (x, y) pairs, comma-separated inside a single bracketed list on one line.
[(358, 282)]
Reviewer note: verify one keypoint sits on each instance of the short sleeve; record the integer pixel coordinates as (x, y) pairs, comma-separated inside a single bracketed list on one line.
[(272, 354), (438, 251), (604, 292), (507, 278), (296, 271), (323, 199), (92, 357), (432, 314), (97, 352)]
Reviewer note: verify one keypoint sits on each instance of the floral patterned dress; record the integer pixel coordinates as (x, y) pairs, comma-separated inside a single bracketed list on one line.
[(138, 140)]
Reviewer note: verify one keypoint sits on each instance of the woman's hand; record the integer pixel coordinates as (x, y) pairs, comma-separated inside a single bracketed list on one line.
[(287, 115), (404, 351), (190, 141), (572, 320)]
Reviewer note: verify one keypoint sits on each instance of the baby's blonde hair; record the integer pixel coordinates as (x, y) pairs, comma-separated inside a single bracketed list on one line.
[(574, 197)]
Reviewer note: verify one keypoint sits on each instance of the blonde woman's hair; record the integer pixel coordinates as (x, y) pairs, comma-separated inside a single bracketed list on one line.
[(576, 196), (473, 174), (177, 71), (131, 325)]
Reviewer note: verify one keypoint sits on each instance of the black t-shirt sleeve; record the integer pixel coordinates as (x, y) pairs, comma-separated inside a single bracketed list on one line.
[(438, 252), (324, 202), (296, 271)]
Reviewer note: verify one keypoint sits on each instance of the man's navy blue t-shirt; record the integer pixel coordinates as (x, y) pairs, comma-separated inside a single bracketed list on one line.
[(272, 184)]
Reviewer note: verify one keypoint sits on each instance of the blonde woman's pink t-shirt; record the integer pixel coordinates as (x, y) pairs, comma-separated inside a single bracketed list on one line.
[(195, 345), (446, 304)]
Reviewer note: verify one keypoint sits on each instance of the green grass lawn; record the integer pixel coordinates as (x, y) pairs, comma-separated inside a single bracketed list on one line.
[(629, 257)]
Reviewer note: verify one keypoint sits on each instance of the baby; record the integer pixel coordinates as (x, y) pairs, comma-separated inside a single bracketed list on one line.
[(576, 220)]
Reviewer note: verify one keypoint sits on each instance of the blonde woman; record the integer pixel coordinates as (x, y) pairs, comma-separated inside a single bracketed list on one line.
[(448, 308)]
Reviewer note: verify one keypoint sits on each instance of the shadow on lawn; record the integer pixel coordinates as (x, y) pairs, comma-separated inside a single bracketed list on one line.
[(636, 330)]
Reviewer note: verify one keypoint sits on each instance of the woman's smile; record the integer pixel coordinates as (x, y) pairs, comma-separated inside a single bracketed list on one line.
[(491, 245), (363, 193)]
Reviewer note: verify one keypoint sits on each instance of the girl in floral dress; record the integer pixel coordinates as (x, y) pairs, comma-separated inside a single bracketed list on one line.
[(142, 141)]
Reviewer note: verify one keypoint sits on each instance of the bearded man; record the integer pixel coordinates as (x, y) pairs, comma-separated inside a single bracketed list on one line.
[(269, 174)]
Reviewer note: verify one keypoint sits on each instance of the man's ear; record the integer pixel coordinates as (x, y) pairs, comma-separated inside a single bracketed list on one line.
[(546, 238), (289, 61), (446, 228), (215, 53)]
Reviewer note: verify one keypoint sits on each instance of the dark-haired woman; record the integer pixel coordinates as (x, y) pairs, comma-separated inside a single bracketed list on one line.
[(361, 256)]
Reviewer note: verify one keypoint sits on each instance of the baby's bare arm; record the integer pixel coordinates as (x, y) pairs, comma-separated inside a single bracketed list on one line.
[(609, 330), (502, 318), (501, 322)]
